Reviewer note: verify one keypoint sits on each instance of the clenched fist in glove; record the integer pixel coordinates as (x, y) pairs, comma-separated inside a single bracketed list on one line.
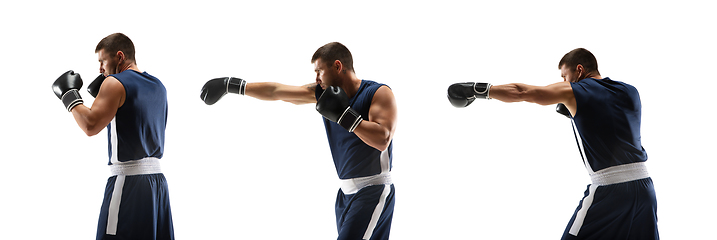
[(66, 89), (333, 104), (216, 88), (463, 94)]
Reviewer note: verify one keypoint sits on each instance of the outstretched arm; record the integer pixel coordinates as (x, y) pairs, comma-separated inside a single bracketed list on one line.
[(216, 88), (462, 94), (544, 95), (561, 92), (271, 91)]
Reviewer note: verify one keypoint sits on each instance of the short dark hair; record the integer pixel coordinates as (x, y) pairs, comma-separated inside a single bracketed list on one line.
[(580, 56), (117, 42), (334, 51)]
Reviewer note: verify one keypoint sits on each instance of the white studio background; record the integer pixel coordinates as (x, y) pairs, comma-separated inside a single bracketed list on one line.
[(247, 169)]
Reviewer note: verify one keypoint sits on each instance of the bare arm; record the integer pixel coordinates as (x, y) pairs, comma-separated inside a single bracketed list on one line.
[(271, 91), (561, 92), (378, 132), (110, 97)]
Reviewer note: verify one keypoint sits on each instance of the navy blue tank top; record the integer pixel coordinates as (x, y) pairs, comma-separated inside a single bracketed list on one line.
[(137, 130), (352, 157), (608, 122)]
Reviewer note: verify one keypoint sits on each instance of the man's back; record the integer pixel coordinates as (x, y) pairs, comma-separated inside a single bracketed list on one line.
[(608, 122), (139, 124)]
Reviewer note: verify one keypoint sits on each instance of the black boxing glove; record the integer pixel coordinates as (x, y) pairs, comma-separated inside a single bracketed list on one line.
[(333, 104), (562, 109), (216, 88), (463, 94), (94, 87), (66, 89)]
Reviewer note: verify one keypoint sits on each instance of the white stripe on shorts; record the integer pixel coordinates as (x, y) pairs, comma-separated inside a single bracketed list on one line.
[(580, 216), (113, 211), (377, 212)]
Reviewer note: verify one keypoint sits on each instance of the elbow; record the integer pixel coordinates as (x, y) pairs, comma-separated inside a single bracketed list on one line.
[(534, 96), (524, 93), (88, 121), (382, 147), (543, 101), (90, 134), (91, 130), (273, 96), (510, 93), (521, 96), (379, 144), (383, 144)]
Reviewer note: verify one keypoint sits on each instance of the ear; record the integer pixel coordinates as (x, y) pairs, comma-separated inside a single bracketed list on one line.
[(120, 55), (580, 68), (338, 65)]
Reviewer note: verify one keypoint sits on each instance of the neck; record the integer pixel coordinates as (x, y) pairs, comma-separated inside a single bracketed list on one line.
[(351, 84), (594, 75), (130, 66)]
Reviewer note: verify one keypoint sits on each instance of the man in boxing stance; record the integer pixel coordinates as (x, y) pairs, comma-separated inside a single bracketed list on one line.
[(620, 203), (133, 106), (360, 120)]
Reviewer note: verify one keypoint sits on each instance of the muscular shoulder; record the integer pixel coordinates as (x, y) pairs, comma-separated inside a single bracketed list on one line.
[(112, 84), (383, 91), (112, 89), (383, 99)]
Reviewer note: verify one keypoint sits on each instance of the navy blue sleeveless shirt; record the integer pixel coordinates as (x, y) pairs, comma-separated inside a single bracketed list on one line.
[(608, 121), (137, 130), (352, 157)]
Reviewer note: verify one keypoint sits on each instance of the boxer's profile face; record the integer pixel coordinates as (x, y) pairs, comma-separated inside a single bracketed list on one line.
[(108, 63), (571, 75), (325, 75)]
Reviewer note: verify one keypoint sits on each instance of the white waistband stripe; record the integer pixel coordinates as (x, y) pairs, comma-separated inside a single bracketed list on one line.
[(353, 185), (620, 174), (149, 165)]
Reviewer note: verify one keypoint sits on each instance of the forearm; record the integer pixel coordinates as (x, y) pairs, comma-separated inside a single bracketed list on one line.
[(263, 91), (507, 93), (271, 91), (374, 134), (518, 92), (86, 120)]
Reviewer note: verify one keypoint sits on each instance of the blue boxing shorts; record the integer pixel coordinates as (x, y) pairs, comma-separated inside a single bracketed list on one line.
[(365, 212), (136, 207), (618, 211)]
